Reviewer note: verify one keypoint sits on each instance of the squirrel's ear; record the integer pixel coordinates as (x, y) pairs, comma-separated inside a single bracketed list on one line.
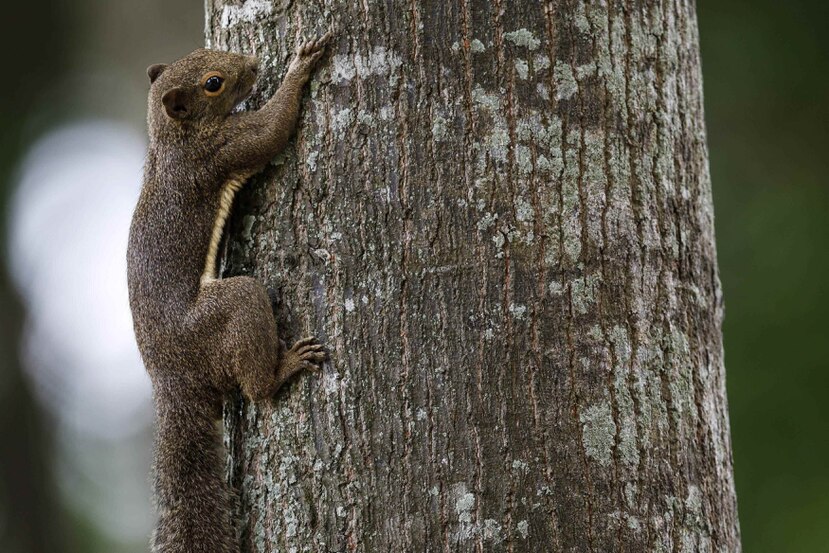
[(176, 101), (155, 70)]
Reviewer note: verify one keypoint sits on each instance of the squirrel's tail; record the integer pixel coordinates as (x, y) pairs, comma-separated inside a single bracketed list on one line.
[(195, 504)]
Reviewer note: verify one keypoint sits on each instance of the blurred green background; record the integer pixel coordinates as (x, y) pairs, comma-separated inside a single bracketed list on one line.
[(766, 80), (765, 66)]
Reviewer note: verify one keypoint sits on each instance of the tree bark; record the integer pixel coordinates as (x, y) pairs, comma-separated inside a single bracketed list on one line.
[(498, 217)]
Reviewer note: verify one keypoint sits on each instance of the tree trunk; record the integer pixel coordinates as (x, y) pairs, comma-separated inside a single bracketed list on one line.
[(498, 217)]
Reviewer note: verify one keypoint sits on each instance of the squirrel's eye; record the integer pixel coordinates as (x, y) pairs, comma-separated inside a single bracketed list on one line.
[(213, 84)]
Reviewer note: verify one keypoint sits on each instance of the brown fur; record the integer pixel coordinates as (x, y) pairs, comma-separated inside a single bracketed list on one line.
[(200, 337)]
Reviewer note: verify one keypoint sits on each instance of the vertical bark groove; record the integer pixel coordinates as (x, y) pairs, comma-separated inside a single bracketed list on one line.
[(498, 216)]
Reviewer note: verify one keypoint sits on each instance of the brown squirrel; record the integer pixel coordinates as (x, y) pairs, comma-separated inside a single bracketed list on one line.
[(201, 337)]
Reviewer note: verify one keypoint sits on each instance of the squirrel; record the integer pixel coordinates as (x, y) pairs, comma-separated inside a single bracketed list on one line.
[(201, 336)]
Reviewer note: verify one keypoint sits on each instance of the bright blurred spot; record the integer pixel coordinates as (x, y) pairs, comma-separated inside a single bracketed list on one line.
[(69, 223)]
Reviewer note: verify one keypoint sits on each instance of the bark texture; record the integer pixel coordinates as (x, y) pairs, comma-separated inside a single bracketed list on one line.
[(498, 217)]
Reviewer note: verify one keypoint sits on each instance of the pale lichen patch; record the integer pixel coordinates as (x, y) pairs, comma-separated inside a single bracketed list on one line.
[(341, 120), (491, 530), (522, 68), (523, 210), (523, 158), (477, 46), (322, 254), (633, 523), (581, 21), (497, 143), (545, 165), (518, 311), (541, 62), (249, 12), (331, 383), (464, 504), (571, 225), (598, 431), (523, 37), (486, 100), (311, 161), (585, 70), (595, 333), (487, 221), (566, 85), (439, 128), (365, 118), (386, 113), (693, 504), (520, 466), (630, 494), (378, 62)]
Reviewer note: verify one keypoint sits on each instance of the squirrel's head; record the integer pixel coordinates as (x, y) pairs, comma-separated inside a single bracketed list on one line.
[(206, 84)]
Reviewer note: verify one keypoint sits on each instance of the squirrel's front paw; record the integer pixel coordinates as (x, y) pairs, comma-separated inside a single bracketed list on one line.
[(307, 54), (306, 354)]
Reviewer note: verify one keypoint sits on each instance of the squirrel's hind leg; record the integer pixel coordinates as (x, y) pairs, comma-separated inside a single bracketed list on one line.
[(249, 346)]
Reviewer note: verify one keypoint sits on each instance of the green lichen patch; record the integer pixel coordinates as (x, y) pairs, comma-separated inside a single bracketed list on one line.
[(566, 85), (477, 46), (524, 38), (522, 68), (598, 432)]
